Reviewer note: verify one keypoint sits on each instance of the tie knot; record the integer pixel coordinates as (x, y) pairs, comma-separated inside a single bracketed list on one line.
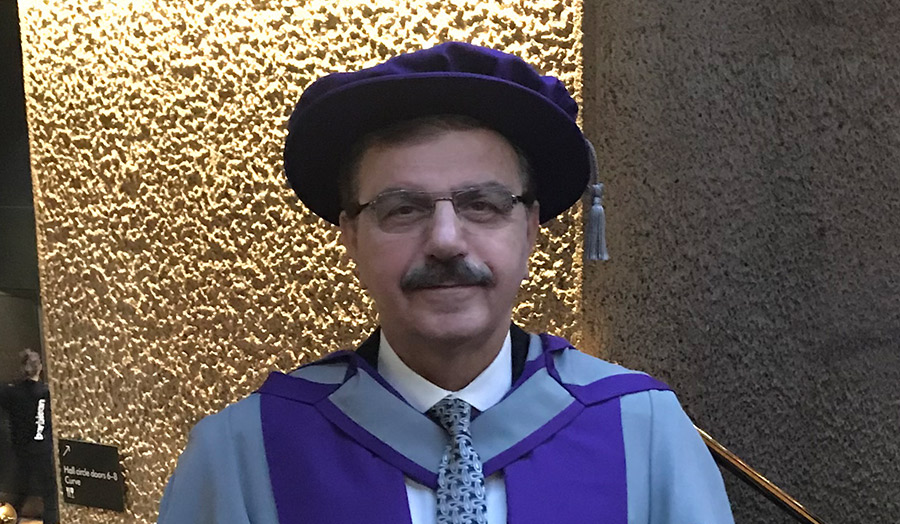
[(452, 414)]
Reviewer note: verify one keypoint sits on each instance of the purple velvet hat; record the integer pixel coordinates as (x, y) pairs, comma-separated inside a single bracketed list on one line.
[(500, 90)]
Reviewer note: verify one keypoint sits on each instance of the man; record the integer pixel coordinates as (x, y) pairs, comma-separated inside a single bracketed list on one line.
[(28, 404), (439, 167)]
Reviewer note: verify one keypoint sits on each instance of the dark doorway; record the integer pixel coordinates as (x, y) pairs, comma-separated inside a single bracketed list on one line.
[(19, 290)]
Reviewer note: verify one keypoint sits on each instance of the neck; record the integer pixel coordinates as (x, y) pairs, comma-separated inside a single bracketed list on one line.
[(448, 363)]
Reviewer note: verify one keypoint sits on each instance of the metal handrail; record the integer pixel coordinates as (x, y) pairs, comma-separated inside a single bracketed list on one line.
[(734, 464)]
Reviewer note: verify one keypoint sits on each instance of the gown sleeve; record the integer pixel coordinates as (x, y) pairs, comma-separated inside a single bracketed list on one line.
[(672, 478), (222, 477)]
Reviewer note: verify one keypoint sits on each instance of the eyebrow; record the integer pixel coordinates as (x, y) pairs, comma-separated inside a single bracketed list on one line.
[(485, 185)]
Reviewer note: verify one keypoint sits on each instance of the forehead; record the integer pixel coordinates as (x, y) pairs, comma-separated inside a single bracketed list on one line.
[(440, 161)]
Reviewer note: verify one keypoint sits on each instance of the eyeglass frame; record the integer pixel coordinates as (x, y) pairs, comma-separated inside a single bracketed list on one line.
[(526, 198)]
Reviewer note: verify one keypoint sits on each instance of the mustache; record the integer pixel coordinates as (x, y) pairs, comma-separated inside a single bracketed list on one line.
[(452, 272)]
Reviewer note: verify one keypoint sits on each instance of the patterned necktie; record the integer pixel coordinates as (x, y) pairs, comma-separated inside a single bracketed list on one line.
[(460, 493)]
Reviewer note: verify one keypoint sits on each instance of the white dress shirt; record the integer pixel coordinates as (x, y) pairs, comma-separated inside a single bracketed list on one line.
[(486, 390)]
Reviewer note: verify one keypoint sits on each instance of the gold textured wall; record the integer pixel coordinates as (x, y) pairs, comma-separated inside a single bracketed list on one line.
[(176, 267)]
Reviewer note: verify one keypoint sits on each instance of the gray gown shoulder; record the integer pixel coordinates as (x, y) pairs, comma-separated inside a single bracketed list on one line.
[(222, 476)]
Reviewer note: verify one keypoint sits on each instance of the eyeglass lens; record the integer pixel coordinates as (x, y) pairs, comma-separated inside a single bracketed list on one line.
[(402, 210)]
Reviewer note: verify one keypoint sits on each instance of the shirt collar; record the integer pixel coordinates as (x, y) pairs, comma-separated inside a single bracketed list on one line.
[(483, 392)]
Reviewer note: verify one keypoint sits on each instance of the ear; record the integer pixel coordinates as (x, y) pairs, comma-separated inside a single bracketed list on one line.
[(534, 224), (348, 234)]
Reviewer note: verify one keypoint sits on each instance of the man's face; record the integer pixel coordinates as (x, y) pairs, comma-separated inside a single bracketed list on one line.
[(445, 162)]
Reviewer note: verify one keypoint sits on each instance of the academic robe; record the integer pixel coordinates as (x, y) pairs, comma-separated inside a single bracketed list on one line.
[(577, 439)]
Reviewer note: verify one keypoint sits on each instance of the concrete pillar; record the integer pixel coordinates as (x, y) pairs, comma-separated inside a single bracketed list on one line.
[(751, 155)]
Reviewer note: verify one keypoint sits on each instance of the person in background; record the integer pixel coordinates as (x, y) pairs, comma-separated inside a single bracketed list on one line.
[(27, 403)]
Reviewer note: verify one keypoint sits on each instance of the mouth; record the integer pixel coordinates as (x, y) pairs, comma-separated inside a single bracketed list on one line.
[(448, 285)]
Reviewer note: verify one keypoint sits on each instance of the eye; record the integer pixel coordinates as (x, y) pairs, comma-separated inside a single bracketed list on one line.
[(402, 208), (483, 206)]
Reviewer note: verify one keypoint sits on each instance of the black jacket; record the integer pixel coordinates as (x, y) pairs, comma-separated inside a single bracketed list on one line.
[(28, 405)]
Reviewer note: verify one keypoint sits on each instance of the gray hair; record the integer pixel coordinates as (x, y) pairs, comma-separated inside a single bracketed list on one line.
[(411, 132)]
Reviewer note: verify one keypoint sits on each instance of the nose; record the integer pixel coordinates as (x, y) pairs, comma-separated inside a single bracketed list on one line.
[(446, 237)]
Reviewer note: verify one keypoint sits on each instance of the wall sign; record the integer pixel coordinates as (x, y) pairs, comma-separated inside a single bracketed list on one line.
[(91, 475)]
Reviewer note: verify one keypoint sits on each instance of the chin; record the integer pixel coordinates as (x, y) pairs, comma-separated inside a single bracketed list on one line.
[(460, 325), (447, 315)]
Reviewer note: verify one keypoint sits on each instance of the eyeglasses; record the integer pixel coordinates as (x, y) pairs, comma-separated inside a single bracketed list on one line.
[(399, 211)]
